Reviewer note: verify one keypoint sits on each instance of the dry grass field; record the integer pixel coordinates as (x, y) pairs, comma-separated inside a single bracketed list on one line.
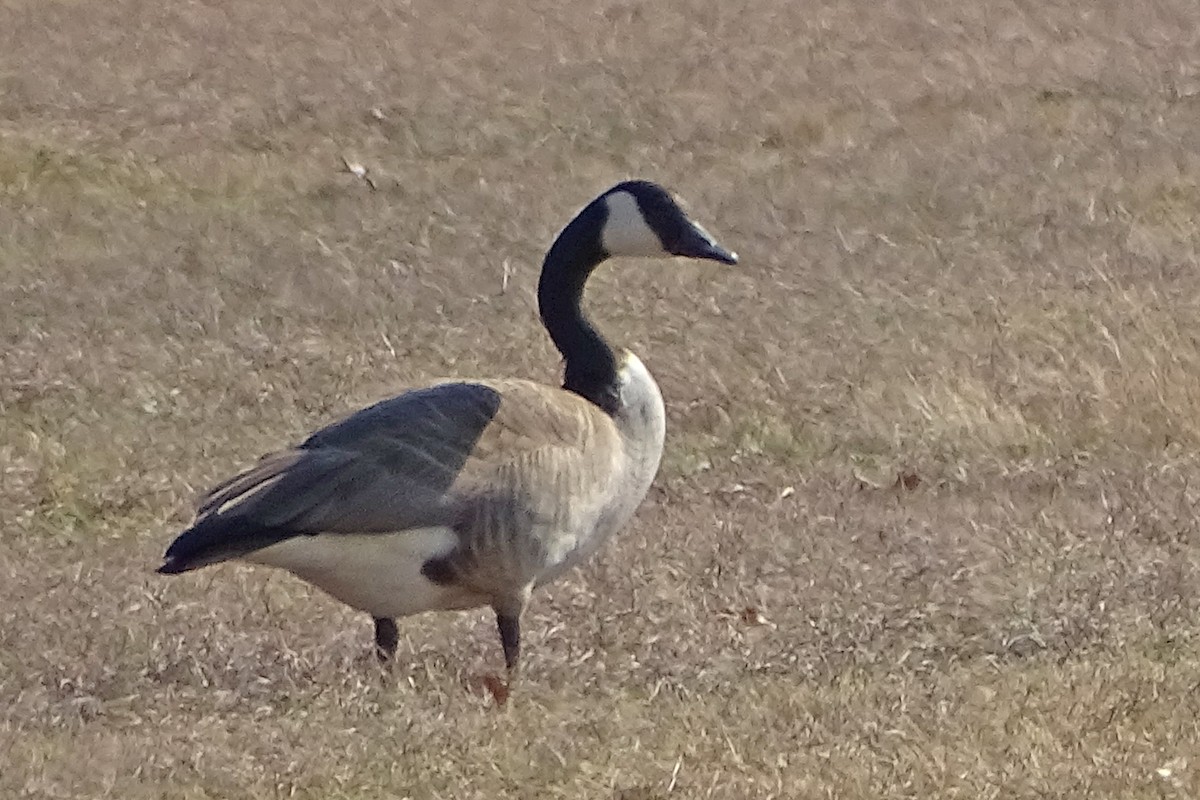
[(925, 526)]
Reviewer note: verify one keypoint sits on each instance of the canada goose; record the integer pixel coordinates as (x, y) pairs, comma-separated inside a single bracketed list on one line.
[(471, 493)]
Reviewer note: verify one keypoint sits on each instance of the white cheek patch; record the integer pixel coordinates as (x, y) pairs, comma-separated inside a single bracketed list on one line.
[(626, 232)]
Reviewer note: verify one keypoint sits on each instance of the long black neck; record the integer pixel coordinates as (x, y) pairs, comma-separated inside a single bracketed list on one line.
[(591, 367)]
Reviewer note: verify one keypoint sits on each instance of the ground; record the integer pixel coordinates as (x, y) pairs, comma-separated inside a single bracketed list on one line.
[(925, 526)]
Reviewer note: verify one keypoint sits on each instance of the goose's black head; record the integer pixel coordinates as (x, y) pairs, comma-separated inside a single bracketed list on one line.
[(643, 219), (634, 218)]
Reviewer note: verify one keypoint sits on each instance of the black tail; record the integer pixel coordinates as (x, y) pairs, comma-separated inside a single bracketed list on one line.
[(173, 566), (216, 538)]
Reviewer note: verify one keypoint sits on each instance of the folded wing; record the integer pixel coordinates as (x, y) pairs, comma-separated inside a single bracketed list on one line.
[(474, 455)]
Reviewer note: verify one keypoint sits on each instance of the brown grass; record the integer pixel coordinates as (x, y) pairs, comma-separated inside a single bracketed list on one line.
[(925, 526)]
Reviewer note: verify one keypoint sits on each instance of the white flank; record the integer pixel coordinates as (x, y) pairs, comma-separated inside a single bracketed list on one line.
[(379, 573)]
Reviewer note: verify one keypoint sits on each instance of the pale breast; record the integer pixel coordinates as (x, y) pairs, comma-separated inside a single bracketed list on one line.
[(641, 424), (549, 480)]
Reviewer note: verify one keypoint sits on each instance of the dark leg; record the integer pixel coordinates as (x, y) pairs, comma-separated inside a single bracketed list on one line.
[(386, 638), (510, 639)]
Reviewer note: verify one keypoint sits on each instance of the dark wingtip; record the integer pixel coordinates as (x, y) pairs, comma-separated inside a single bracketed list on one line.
[(172, 566)]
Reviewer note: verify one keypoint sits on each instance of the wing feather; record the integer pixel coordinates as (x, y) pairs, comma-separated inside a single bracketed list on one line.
[(485, 454)]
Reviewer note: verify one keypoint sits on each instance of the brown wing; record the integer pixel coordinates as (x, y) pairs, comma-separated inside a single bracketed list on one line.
[(432, 456)]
